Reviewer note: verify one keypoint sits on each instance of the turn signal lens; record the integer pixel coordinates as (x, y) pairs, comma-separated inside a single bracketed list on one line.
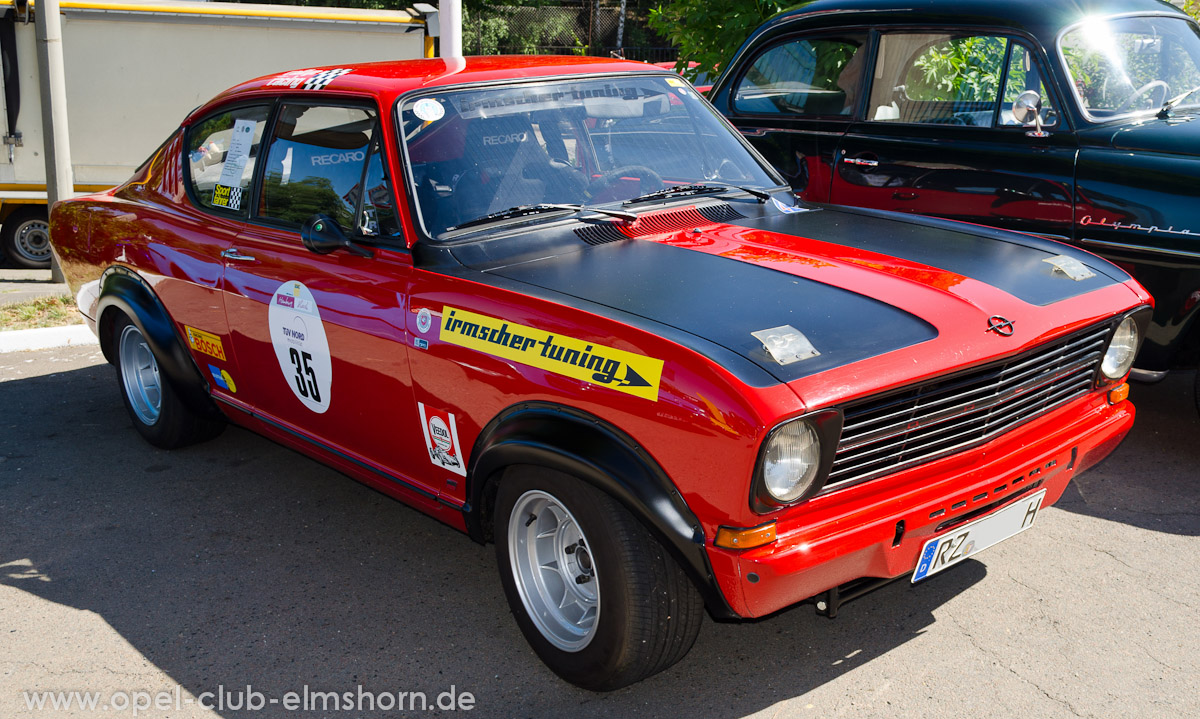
[(732, 538), (1120, 393)]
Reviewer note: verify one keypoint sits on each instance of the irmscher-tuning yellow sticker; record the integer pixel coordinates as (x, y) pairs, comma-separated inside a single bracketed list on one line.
[(205, 342), (623, 371)]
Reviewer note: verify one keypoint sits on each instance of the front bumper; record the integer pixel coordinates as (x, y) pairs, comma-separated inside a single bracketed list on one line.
[(854, 533)]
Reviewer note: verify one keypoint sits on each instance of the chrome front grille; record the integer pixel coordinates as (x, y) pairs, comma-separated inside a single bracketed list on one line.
[(885, 434)]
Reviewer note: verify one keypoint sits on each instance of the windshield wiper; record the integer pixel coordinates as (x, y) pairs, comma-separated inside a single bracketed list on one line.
[(698, 189), (523, 210), (1169, 105)]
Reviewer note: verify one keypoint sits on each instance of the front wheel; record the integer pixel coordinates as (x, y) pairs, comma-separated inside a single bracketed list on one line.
[(157, 411), (596, 596)]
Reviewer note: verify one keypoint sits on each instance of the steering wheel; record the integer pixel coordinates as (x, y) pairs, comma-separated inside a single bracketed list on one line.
[(1145, 89), (609, 180)]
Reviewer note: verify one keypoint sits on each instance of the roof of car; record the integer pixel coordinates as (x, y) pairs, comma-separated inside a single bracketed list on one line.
[(388, 79), (1036, 16)]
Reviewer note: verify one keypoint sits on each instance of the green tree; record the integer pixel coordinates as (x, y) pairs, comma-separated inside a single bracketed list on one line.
[(708, 32), (1192, 7)]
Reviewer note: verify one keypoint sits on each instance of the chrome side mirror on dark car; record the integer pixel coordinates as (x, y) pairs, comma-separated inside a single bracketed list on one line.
[(1026, 109)]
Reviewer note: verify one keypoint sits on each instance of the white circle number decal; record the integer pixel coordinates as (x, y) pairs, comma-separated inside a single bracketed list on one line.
[(298, 336)]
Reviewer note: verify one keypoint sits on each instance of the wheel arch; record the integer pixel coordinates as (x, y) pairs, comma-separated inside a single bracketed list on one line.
[(592, 450), (123, 291)]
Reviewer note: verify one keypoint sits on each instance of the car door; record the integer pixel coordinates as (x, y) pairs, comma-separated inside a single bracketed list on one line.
[(322, 337), (794, 99), (216, 159), (939, 137)]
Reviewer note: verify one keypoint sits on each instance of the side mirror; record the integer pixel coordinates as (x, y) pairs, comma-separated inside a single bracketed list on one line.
[(322, 234), (1026, 109)]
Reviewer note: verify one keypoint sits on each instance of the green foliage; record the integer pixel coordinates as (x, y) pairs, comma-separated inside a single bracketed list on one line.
[(961, 70), (1192, 7), (709, 32)]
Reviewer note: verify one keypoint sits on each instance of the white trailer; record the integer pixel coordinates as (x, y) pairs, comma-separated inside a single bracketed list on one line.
[(135, 68)]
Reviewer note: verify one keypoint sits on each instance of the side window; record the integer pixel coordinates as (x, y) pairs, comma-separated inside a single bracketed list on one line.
[(315, 163), (1023, 74), (807, 76), (222, 149), (937, 78)]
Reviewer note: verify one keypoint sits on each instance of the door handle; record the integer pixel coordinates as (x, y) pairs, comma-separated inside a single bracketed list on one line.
[(234, 254), (860, 162), (902, 195)]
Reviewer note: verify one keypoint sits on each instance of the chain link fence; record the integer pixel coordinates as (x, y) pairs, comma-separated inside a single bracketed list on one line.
[(584, 27)]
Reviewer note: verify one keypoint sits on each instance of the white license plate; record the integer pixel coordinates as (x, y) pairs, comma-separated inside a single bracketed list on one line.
[(972, 538)]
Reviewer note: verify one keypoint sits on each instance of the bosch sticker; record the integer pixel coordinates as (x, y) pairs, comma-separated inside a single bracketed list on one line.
[(204, 342), (623, 371), (441, 439), (298, 336)]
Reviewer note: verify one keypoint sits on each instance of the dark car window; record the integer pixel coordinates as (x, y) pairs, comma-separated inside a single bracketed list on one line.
[(937, 78), (315, 163), (222, 149), (805, 76), (1023, 75)]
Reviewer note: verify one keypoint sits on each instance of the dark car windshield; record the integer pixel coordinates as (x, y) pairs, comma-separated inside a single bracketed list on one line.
[(1127, 66), (592, 142)]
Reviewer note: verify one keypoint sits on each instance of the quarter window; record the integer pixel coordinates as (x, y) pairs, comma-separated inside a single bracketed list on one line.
[(315, 164), (807, 76), (222, 149), (1023, 75)]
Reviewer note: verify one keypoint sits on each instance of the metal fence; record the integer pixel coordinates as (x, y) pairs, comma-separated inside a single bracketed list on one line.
[(583, 27)]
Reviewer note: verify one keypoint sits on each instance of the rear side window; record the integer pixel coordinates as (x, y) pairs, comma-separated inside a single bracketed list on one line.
[(937, 78), (315, 165), (222, 149), (804, 76)]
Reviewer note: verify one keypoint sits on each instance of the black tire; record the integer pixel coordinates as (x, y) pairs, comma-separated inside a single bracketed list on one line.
[(25, 235), (1196, 391), (648, 612), (157, 411)]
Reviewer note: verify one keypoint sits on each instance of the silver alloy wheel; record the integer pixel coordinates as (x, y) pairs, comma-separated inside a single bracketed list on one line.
[(32, 240), (554, 571), (139, 373)]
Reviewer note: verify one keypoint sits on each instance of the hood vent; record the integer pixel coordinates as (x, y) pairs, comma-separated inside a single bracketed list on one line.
[(659, 223)]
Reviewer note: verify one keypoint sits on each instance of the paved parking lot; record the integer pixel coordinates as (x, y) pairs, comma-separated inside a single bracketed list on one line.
[(126, 568)]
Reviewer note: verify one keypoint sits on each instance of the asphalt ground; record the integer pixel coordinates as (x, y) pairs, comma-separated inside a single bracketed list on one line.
[(124, 568)]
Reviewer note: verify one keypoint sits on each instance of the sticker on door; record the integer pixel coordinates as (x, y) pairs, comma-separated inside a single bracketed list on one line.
[(441, 439), (298, 336)]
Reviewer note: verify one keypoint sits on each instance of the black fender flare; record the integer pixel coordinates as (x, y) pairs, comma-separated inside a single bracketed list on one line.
[(123, 290), (590, 449)]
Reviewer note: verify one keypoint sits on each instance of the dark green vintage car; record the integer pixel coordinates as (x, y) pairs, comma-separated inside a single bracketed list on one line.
[(1072, 119)]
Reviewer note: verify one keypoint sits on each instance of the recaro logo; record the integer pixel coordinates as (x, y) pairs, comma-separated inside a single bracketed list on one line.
[(504, 139)]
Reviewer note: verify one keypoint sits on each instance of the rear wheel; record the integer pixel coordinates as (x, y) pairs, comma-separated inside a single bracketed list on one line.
[(596, 596), (25, 235), (158, 413)]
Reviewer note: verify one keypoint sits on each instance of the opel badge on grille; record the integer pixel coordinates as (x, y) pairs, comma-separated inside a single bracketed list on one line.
[(1000, 326)]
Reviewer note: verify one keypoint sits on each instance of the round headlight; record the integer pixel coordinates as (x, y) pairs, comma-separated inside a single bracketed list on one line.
[(1121, 349), (791, 460)]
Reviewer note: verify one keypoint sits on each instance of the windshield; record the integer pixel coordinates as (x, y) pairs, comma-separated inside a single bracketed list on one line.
[(593, 142), (1128, 66)]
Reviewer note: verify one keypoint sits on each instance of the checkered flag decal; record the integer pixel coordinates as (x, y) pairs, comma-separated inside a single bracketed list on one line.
[(323, 78)]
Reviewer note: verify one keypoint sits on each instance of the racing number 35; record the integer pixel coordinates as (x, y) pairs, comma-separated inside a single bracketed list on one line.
[(306, 379)]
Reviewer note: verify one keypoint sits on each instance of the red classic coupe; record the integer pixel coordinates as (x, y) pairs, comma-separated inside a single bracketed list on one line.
[(559, 304)]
